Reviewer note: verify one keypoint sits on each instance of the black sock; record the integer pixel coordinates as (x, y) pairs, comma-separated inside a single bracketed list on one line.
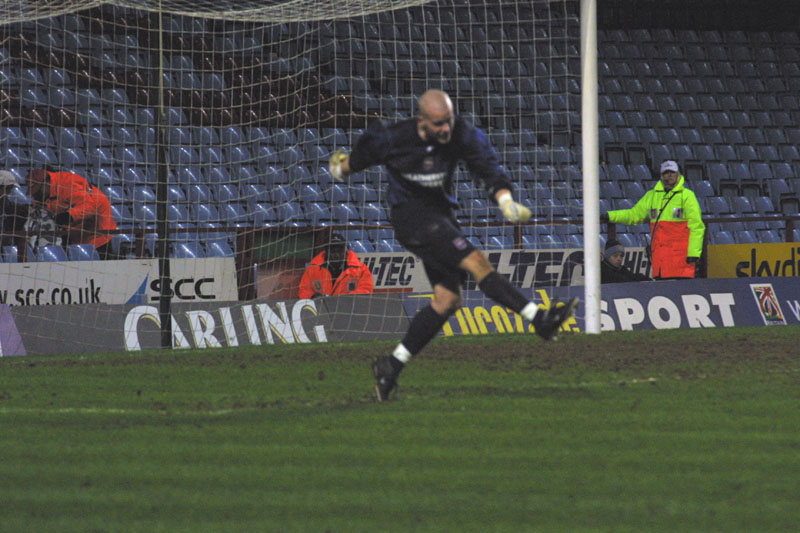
[(424, 326), (499, 289)]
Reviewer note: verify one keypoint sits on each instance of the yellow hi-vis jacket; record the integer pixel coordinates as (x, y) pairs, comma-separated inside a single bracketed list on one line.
[(676, 228)]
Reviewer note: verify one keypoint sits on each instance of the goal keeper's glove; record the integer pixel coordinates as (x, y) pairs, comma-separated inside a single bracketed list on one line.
[(335, 164), (513, 211)]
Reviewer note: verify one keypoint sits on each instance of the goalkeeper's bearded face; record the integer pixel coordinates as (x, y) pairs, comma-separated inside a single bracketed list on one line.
[(438, 126)]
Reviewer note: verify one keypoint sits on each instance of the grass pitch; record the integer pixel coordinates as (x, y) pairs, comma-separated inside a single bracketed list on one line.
[(682, 430)]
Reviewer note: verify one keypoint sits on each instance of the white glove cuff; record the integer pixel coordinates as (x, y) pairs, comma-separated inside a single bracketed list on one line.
[(504, 198), (336, 171)]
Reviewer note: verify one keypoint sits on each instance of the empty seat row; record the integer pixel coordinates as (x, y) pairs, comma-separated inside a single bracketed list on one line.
[(196, 137)]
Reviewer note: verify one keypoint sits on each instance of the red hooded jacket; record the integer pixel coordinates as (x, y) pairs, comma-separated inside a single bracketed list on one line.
[(356, 278), (87, 205)]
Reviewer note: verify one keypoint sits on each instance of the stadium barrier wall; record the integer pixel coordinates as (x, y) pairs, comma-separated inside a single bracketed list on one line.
[(698, 303), (402, 272), (116, 328), (115, 282), (753, 260)]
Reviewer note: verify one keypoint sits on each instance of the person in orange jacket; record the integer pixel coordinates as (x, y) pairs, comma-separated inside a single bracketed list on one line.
[(83, 210), (334, 271)]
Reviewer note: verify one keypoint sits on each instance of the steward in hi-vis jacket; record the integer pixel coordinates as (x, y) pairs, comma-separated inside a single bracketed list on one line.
[(676, 226)]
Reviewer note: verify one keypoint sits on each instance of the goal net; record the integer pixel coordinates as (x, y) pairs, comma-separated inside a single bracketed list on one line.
[(208, 126)]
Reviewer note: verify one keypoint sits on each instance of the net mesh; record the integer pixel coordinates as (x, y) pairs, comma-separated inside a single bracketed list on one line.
[(256, 95)]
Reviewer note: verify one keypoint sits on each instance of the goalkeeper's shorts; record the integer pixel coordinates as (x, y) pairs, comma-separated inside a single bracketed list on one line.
[(435, 237)]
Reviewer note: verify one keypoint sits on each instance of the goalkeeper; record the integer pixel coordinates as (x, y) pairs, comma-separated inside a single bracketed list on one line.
[(421, 155)]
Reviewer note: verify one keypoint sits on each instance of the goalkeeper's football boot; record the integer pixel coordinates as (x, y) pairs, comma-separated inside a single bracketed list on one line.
[(385, 377), (548, 321)]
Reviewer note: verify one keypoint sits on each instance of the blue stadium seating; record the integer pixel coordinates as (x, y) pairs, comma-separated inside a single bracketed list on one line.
[(318, 213), (746, 237), (187, 250), (51, 253), (234, 214), (714, 106), (716, 205), (122, 214), (9, 254), (204, 213), (345, 213), (82, 252), (218, 248), (290, 212), (262, 213)]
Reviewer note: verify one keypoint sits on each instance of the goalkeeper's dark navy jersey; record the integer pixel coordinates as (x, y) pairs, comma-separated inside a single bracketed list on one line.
[(423, 170)]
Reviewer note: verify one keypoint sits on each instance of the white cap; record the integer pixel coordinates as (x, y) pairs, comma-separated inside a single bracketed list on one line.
[(7, 178), (669, 165)]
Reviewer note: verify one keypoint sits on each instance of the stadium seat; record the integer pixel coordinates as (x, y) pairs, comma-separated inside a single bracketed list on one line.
[(43, 156), (345, 213), (262, 214), (290, 212), (204, 213), (9, 254), (768, 236), (746, 237), (702, 188), (115, 193), (761, 171), (609, 190), (716, 205), (138, 176), (144, 214), (318, 213), (71, 158), (187, 250), (198, 193), (361, 246), (281, 194), (234, 214), (51, 253), (721, 237), (739, 171), (633, 189), (122, 214), (143, 194), (741, 205), (313, 193), (618, 173), (374, 213), (82, 252), (764, 205), (177, 213), (218, 248), (226, 192), (254, 193)]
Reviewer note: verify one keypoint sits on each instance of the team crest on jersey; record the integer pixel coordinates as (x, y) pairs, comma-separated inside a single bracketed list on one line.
[(768, 304), (460, 243), (427, 164)]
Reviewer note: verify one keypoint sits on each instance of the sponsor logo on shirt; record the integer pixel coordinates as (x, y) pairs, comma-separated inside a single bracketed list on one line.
[(427, 180)]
